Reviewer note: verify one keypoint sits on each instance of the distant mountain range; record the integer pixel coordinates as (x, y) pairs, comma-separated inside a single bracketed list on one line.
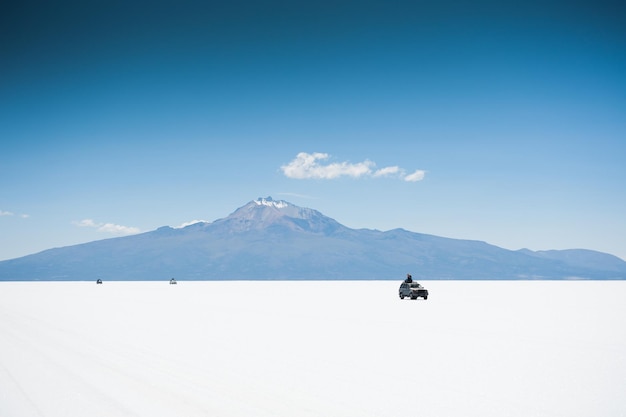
[(268, 239)]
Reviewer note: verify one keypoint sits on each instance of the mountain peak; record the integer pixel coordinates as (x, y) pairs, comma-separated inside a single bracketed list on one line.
[(268, 201), (265, 213)]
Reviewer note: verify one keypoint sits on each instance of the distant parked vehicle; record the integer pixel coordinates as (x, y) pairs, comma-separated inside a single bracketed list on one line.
[(173, 281), (413, 290), (99, 281)]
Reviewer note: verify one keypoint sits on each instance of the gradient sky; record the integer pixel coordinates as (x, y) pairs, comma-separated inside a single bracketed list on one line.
[(494, 121)]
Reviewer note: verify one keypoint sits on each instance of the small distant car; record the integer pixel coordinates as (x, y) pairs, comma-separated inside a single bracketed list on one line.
[(413, 290)]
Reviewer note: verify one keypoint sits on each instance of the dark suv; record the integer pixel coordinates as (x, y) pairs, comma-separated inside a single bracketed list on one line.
[(413, 290)]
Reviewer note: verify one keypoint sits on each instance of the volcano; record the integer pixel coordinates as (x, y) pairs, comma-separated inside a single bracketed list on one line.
[(269, 239)]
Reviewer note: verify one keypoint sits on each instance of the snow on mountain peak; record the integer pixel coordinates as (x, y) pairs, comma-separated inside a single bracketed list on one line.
[(270, 202)]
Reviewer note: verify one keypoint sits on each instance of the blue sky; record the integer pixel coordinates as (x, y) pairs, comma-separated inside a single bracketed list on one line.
[(494, 121)]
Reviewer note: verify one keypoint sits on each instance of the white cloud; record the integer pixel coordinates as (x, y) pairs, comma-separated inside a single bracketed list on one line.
[(384, 172), (307, 166), (189, 223), (311, 166), (85, 223), (10, 213), (118, 229), (112, 228), (416, 176)]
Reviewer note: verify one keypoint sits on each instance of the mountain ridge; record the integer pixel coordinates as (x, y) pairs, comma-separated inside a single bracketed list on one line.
[(270, 239)]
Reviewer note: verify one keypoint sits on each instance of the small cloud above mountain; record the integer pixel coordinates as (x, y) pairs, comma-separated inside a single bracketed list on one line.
[(189, 223), (112, 228), (313, 166)]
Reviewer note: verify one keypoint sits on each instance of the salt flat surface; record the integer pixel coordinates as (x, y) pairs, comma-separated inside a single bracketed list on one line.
[(320, 348)]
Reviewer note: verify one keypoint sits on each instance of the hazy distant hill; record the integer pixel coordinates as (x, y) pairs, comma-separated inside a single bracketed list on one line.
[(272, 240)]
